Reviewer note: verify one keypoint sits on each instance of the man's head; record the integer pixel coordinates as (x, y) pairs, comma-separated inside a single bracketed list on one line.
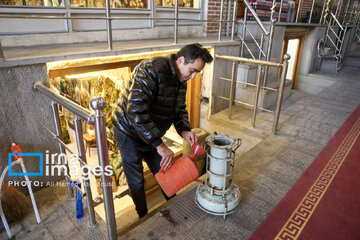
[(190, 60)]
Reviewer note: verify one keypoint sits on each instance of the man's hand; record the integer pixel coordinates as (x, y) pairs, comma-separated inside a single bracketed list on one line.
[(189, 136), (166, 154)]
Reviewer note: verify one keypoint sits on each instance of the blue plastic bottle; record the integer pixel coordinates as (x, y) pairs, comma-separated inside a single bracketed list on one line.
[(78, 200), (79, 203)]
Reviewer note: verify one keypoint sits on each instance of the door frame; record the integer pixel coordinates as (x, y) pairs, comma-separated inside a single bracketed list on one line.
[(298, 54)]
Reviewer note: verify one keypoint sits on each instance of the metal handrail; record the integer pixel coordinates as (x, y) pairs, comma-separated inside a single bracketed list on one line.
[(106, 18), (98, 120), (332, 30), (248, 60), (252, 36), (332, 42), (336, 20), (258, 86), (247, 47), (249, 84), (261, 25), (67, 103)]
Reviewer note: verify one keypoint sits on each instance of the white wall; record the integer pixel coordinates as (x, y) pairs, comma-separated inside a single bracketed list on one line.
[(309, 53)]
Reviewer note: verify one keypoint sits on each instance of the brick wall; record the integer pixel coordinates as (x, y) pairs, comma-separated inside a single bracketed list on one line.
[(214, 7), (304, 9)]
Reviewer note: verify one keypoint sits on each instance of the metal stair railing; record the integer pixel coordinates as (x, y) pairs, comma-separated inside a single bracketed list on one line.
[(356, 23), (98, 120), (357, 33), (339, 34), (245, 30), (109, 18), (261, 52), (258, 86)]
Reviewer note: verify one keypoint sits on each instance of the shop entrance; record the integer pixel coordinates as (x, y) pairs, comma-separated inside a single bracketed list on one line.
[(80, 81)]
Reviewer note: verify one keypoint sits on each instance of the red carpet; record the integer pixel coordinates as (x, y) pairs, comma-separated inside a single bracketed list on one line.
[(325, 201)]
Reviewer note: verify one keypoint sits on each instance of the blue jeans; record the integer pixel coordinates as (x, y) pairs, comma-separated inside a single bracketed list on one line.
[(132, 154)]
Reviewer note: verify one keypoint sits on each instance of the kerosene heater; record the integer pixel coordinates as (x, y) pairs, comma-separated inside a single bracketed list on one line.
[(218, 195)]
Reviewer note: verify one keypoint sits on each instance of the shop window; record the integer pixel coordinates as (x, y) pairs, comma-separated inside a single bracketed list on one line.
[(82, 88), (32, 3), (113, 3), (182, 3)]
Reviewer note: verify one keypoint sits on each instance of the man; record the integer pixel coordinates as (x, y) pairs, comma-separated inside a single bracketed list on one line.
[(154, 98)]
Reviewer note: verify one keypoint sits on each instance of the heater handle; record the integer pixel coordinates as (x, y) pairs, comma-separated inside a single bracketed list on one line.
[(237, 144)]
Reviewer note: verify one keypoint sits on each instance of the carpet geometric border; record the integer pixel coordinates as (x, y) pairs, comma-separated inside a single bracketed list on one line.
[(299, 218)]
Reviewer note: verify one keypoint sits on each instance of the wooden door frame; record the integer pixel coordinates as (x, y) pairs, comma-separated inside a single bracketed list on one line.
[(298, 54), (193, 95)]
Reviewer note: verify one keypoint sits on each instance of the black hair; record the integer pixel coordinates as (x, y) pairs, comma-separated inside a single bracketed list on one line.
[(194, 51)]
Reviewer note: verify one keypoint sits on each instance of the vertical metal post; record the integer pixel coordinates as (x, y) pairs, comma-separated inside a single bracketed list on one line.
[(331, 21), (108, 25), (322, 12), (346, 11), (233, 20), (256, 97), (176, 21), (228, 19), (338, 7), (327, 11), (357, 16), (312, 9), (357, 13), (268, 54), (272, 10), (343, 38), (153, 12), (98, 104), (68, 14), (280, 10), (59, 133), (297, 12), (221, 18), (243, 33), (232, 88), (261, 44), (281, 93), (85, 171)]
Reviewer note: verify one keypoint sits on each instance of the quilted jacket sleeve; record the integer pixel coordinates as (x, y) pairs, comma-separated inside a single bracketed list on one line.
[(139, 99), (181, 121)]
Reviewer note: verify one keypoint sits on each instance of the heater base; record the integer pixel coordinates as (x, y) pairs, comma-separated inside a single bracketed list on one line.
[(217, 204)]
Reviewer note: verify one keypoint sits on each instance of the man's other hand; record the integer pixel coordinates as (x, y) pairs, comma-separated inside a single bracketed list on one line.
[(189, 136), (166, 154)]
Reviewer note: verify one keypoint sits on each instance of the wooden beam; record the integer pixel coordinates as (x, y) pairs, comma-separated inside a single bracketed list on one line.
[(92, 68), (193, 100)]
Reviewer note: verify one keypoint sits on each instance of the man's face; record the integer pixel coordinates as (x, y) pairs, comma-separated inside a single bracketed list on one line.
[(189, 70)]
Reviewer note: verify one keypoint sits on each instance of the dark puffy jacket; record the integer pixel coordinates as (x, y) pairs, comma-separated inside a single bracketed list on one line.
[(153, 99)]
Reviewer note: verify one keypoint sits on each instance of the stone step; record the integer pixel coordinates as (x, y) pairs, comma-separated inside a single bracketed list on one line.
[(352, 61)]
